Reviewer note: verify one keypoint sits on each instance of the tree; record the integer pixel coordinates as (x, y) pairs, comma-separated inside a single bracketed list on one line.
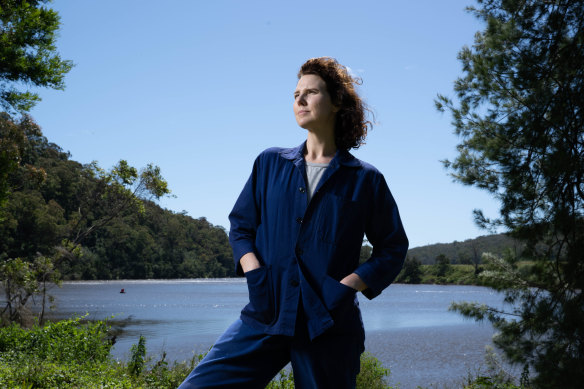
[(441, 265), (37, 236), (476, 258), (14, 140), (411, 272), (28, 55), (519, 115)]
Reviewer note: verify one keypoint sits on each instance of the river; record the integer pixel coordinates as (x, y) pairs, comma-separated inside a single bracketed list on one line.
[(408, 327)]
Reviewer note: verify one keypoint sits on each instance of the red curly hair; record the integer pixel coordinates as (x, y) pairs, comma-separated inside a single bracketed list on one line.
[(351, 124)]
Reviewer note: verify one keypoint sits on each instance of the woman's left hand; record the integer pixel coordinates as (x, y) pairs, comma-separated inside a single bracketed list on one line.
[(354, 281)]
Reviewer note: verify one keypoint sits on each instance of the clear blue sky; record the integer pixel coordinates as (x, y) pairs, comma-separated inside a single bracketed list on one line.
[(199, 88)]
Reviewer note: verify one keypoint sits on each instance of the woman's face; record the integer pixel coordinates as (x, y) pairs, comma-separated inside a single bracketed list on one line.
[(313, 107)]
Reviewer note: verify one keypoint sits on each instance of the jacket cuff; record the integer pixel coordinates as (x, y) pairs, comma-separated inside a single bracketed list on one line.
[(239, 250), (367, 274)]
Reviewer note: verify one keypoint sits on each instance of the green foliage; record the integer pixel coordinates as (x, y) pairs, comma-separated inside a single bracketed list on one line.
[(21, 281), (163, 375), (138, 355), (442, 265), (495, 376), (11, 142), (14, 141), (372, 374), (411, 273), (468, 251), (28, 56), (67, 341), (62, 354), (110, 213), (519, 117), (71, 354), (284, 380), (486, 382), (55, 205), (455, 275)]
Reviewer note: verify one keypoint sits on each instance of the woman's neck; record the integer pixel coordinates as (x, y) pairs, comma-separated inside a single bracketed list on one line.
[(319, 149)]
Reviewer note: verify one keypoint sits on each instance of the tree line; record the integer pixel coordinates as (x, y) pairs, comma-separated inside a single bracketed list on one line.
[(467, 252), (121, 235), (63, 220)]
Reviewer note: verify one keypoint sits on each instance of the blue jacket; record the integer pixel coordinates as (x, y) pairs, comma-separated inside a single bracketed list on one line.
[(306, 248)]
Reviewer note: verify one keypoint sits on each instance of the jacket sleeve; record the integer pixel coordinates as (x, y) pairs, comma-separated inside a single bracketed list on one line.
[(245, 219), (385, 232)]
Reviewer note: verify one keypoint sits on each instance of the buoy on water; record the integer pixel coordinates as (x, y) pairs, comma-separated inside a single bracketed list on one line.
[(122, 291)]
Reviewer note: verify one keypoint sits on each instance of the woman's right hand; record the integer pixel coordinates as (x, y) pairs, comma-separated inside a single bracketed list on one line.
[(249, 262)]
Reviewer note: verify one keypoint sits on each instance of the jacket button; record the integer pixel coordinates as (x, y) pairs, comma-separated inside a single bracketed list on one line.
[(294, 283), (299, 220), (302, 189)]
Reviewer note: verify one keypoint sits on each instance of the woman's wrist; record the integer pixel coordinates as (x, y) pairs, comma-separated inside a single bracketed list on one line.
[(354, 281), (249, 262)]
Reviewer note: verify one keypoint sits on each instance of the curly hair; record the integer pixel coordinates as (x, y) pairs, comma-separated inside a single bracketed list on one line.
[(351, 124)]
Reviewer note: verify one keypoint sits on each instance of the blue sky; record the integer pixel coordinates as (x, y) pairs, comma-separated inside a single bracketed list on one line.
[(199, 88)]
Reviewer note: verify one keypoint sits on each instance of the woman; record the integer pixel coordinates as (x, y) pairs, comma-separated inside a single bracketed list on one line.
[(296, 233)]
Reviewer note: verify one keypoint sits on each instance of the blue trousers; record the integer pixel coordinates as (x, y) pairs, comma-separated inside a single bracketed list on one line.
[(244, 357)]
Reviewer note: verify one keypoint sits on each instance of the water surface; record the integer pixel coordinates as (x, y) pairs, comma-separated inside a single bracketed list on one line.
[(408, 327)]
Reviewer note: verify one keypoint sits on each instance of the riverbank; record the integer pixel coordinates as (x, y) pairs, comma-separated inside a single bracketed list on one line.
[(453, 275), (448, 274)]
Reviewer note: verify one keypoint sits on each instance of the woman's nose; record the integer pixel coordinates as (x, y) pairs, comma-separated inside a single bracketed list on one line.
[(301, 100)]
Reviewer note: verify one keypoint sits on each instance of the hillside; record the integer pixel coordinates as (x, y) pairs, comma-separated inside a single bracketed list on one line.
[(53, 198), (467, 251)]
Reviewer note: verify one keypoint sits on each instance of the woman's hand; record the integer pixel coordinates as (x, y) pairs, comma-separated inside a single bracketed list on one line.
[(354, 281), (249, 262)]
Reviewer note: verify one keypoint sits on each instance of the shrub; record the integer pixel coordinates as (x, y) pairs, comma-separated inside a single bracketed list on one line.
[(64, 354), (373, 374), (137, 359), (67, 341)]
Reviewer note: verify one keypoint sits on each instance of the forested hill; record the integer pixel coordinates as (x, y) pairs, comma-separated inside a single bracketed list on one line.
[(468, 251), (53, 198)]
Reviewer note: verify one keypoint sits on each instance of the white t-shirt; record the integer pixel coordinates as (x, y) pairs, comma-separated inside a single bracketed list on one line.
[(314, 172)]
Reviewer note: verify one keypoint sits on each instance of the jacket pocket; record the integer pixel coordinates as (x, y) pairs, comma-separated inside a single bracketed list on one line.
[(260, 297), (336, 295)]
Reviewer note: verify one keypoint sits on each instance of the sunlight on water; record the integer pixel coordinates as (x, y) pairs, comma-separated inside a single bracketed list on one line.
[(408, 327)]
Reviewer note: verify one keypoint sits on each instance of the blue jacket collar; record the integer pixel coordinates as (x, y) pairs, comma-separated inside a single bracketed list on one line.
[(343, 157)]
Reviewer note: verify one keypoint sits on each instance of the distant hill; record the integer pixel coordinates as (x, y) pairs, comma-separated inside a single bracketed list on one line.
[(39, 213), (466, 251)]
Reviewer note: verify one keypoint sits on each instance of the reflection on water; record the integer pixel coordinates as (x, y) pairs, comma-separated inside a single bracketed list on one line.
[(408, 327)]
